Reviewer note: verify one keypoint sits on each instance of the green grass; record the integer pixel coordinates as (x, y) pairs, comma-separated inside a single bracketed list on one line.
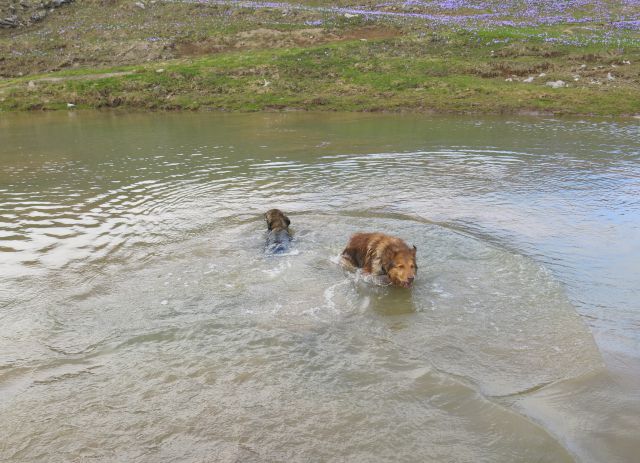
[(393, 75)]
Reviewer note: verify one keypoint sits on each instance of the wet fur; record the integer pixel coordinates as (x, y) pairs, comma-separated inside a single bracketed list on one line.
[(278, 235), (380, 254)]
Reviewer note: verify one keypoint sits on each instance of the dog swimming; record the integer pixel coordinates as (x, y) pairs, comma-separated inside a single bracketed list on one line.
[(278, 235), (383, 255)]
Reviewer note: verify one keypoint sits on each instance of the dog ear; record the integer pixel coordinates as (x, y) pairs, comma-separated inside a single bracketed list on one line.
[(386, 266), (386, 260), (351, 255), (266, 217), (286, 219), (414, 250)]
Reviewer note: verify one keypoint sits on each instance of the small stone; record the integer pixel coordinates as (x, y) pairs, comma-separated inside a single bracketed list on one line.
[(139, 5), (528, 79), (31, 85), (11, 21), (542, 74), (626, 62), (349, 15), (70, 105), (556, 84), (160, 71), (38, 16), (610, 77)]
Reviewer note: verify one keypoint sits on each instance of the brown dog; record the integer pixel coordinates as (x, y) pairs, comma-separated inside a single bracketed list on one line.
[(278, 238), (380, 254)]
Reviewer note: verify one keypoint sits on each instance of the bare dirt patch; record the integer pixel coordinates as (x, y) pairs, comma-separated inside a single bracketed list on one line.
[(270, 38), (32, 85), (104, 75)]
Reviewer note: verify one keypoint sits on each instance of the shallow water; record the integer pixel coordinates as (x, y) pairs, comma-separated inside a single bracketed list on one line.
[(140, 319)]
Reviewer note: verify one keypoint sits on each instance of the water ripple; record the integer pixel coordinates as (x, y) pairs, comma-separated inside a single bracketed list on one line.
[(135, 290)]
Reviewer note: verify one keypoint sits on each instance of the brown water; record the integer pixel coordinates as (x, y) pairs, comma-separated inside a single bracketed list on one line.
[(141, 321)]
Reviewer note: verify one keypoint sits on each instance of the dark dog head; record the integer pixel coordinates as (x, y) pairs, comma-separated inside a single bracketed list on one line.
[(400, 266), (276, 220)]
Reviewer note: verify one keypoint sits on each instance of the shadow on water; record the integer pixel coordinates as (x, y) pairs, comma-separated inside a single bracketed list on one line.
[(376, 294)]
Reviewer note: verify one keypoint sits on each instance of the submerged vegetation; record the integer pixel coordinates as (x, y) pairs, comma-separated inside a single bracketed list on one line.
[(568, 57)]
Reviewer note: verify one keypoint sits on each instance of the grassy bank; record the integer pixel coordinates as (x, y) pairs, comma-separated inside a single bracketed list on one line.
[(232, 60)]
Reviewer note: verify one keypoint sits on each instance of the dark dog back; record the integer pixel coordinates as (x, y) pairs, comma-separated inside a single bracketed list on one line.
[(278, 237)]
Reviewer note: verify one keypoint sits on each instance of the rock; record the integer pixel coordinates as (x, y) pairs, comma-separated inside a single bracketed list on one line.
[(70, 105), (556, 84), (38, 16), (31, 85), (11, 21), (542, 74), (528, 79), (349, 15), (160, 71), (25, 12), (610, 77), (140, 5)]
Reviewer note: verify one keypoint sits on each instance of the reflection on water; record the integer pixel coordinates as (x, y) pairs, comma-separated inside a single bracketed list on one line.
[(140, 320)]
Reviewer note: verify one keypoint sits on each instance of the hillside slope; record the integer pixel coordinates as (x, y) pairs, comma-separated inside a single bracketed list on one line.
[(440, 55)]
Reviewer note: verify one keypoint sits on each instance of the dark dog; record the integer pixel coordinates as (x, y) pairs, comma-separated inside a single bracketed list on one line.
[(278, 237), (380, 254)]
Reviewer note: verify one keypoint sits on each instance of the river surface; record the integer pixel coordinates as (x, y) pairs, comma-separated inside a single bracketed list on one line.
[(140, 319)]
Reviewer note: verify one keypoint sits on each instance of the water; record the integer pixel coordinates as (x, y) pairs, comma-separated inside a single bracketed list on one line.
[(140, 319)]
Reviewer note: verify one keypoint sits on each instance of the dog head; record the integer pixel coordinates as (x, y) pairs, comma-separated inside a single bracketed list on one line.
[(400, 266), (276, 220)]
